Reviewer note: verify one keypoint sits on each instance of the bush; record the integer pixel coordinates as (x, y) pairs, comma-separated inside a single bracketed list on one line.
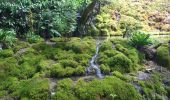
[(41, 17), (139, 39), (7, 38), (163, 56), (32, 38)]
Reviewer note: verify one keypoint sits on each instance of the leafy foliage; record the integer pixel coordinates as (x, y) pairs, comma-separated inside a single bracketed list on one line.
[(7, 37), (32, 38), (47, 18), (139, 39)]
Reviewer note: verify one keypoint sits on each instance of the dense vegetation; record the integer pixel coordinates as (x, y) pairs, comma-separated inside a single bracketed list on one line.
[(47, 48)]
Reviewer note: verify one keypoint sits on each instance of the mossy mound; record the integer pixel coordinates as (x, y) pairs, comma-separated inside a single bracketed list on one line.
[(34, 89), (68, 57), (163, 56), (6, 53), (153, 88), (118, 55), (111, 88)]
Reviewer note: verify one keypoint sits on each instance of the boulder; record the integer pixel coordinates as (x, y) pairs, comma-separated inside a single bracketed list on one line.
[(150, 52)]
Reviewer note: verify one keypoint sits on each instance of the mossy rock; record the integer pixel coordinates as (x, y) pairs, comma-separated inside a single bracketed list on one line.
[(119, 55), (163, 56), (120, 63), (20, 45)]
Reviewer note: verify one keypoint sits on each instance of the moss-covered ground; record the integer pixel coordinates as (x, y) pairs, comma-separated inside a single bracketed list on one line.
[(26, 70)]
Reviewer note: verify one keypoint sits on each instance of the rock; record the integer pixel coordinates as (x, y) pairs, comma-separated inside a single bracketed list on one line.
[(167, 20), (166, 27), (168, 9), (143, 76), (149, 52)]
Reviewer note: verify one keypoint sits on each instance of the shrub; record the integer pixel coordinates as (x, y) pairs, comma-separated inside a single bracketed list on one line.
[(32, 38), (7, 38), (163, 56), (39, 16), (139, 39)]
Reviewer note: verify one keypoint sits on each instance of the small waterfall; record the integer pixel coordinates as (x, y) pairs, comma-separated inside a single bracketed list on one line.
[(93, 64)]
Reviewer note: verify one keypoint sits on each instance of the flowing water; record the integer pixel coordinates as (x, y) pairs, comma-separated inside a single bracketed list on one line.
[(93, 64)]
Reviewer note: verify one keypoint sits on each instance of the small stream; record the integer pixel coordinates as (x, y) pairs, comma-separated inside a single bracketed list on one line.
[(94, 65)]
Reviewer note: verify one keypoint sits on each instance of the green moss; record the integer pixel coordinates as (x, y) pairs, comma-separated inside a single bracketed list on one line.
[(57, 71), (120, 63), (109, 88), (68, 63), (45, 65), (80, 70), (163, 56), (20, 45), (119, 55), (105, 69), (106, 45), (168, 91), (6, 53), (61, 95), (120, 75), (153, 86), (31, 58), (27, 71), (34, 89), (65, 85)]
